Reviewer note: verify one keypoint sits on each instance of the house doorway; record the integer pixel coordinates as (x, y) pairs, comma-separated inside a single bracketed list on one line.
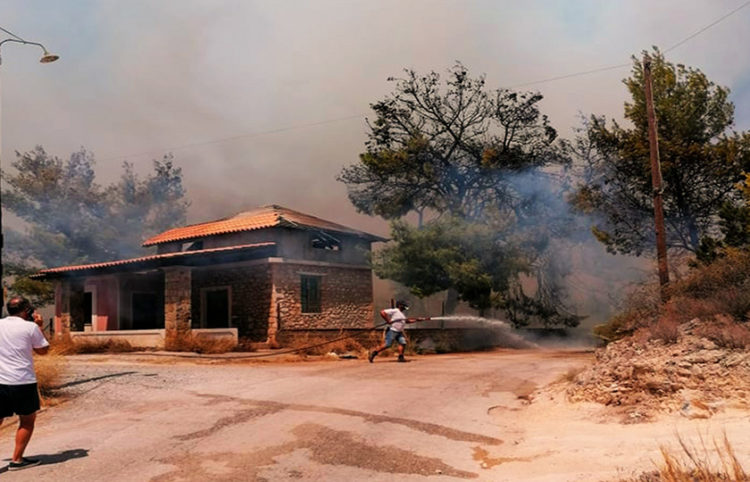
[(88, 310), (145, 308), (216, 307)]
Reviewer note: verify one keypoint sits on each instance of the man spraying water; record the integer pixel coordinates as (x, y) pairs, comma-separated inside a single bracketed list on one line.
[(396, 318)]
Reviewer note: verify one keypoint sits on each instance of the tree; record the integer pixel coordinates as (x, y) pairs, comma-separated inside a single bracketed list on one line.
[(702, 160), (466, 160), (481, 261), (70, 219), (447, 151)]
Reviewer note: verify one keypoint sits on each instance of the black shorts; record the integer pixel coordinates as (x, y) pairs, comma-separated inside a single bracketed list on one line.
[(18, 399)]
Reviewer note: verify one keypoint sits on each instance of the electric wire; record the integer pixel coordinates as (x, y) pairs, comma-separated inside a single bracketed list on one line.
[(12, 34), (698, 32), (239, 136)]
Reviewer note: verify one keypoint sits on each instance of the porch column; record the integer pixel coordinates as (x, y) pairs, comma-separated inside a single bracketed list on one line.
[(62, 308), (177, 305)]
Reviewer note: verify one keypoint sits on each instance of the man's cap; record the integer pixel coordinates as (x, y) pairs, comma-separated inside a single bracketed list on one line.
[(402, 303)]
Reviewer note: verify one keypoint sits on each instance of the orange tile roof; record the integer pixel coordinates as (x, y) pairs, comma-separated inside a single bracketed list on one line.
[(155, 257), (260, 218)]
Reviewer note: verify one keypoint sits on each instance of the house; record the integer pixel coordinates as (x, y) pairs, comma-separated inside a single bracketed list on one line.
[(252, 275)]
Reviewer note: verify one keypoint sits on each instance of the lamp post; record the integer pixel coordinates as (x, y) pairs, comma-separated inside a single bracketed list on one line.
[(46, 58)]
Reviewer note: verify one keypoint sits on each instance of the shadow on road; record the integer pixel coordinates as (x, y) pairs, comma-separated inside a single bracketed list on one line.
[(93, 379), (58, 458)]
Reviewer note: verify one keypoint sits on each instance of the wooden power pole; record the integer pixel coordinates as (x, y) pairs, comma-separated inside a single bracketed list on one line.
[(653, 141)]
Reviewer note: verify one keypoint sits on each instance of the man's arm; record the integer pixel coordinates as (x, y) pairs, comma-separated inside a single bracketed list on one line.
[(385, 316), (39, 323), (414, 320)]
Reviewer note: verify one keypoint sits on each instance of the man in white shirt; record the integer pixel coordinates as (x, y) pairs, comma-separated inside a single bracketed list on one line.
[(20, 335), (396, 318)]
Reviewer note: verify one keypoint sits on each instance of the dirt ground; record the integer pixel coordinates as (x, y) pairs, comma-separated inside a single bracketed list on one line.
[(495, 416)]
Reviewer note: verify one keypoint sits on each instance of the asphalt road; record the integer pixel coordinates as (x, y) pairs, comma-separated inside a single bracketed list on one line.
[(436, 416)]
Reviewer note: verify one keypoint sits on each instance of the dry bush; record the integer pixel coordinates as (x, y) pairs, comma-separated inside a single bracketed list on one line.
[(666, 329), (66, 345), (49, 368), (641, 309), (726, 333), (722, 287), (191, 342), (319, 345), (570, 375), (62, 345), (247, 345), (106, 346)]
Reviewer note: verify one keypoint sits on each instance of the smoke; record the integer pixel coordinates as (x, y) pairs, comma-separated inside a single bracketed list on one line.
[(502, 333), (151, 77)]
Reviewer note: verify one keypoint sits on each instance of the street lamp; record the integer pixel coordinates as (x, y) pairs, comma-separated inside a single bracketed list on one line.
[(46, 58)]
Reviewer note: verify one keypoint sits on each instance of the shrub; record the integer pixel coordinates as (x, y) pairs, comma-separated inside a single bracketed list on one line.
[(666, 329), (641, 309), (727, 333), (67, 345), (192, 342), (722, 287), (48, 369)]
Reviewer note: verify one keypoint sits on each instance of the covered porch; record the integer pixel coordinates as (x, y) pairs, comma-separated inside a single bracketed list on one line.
[(154, 300)]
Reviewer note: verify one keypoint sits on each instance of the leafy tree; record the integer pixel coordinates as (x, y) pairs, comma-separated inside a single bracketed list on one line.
[(734, 224), (482, 261), (70, 219), (465, 159), (702, 159)]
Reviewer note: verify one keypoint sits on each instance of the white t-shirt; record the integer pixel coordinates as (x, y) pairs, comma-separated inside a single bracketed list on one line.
[(18, 338), (398, 319)]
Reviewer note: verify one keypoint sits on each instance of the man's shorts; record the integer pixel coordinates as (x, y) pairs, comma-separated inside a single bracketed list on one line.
[(18, 399), (391, 336)]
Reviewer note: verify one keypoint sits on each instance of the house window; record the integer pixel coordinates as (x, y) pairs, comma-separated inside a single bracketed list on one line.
[(321, 240), (216, 307), (310, 294)]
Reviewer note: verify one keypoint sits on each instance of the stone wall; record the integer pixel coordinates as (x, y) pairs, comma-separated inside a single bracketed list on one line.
[(177, 310), (250, 293), (345, 297)]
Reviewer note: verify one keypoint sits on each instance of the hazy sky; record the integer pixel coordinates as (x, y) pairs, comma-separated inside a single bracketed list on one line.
[(151, 77)]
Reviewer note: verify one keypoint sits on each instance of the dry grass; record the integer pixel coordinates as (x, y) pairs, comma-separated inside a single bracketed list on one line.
[(339, 347), (49, 368), (697, 465), (666, 329), (722, 287), (570, 375), (66, 345), (191, 342), (641, 309), (727, 333)]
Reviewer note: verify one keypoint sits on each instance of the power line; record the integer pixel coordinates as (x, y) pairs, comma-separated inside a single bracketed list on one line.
[(620, 66), (240, 136), (707, 27), (567, 76), (12, 34)]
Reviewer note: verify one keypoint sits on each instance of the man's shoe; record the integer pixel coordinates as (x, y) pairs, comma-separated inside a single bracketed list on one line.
[(372, 356), (23, 464), (401, 359)]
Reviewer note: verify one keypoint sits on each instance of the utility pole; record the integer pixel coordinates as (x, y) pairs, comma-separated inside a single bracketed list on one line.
[(653, 141)]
